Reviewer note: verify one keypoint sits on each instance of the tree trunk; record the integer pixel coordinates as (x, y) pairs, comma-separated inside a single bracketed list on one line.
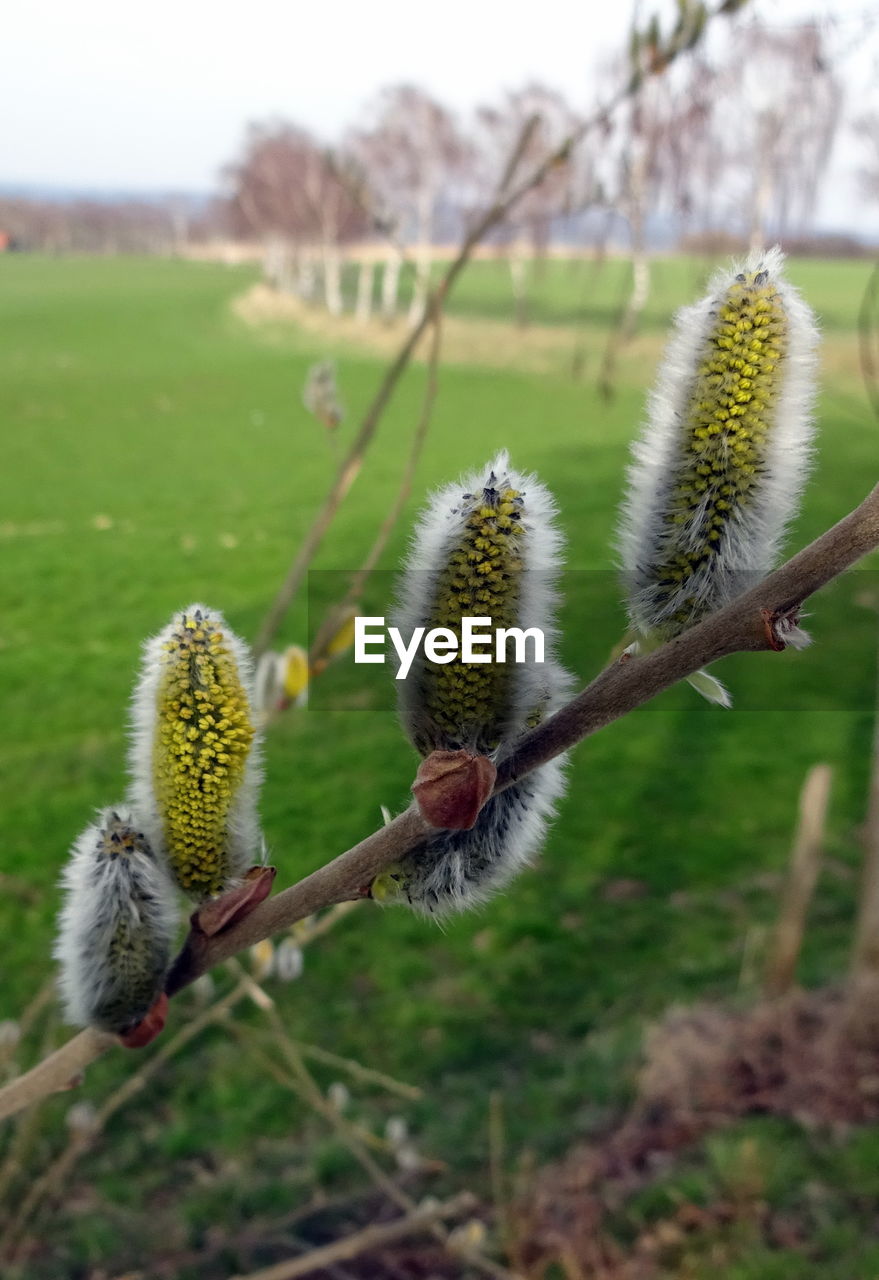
[(518, 264), (799, 886), (333, 279), (365, 279), (640, 260), (421, 285), (272, 261), (306, 275), (391, 283), (761, 197)]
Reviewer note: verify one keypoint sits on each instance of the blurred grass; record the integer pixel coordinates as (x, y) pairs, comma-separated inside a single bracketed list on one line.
[(155, 452)]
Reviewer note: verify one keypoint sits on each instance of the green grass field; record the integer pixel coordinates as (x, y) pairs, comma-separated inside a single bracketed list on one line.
[(155, 452)]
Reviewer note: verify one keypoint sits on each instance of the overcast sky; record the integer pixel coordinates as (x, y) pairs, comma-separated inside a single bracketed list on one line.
[(155, 96)]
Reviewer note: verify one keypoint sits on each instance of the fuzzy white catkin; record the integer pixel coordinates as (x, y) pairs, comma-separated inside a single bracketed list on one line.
[(718, 471), (195, 752), (486, 547), (116, 926)]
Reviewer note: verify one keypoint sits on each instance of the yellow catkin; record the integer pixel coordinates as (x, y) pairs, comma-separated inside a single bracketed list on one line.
[(203, 737), (725, 427), (480, 579)]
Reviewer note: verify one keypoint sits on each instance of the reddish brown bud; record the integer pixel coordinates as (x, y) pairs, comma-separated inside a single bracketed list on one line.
[(451, 787), (236, 903), (149, 1027)]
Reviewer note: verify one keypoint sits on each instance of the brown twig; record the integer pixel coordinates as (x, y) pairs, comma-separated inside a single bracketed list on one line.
[(497, 1162), (367, 1075), (375, 1237), (53, 1177), (802, 876), (336, 615), (745, 625), (357, 1142)]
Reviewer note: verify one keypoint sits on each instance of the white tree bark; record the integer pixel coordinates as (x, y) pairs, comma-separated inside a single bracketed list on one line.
[(365, 279), (306, 275), (332, 261), (519, 262), (391, 283)]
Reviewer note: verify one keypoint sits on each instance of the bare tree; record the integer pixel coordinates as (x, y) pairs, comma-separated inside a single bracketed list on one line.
[(660, 159), (412, 153), (774, 123), (548, 118), (285, 192), (867, 130)]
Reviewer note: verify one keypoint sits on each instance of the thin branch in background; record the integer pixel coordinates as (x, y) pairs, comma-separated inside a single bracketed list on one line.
[(802, 876), (416, 1219), (358, 190), (521, 145), (26, 1131), (348, 472), (316, 926), (253, 1236), (366, 1075), (283, 1077), (353, 1139), (23, 1025), (50, 1184), (868, 330), (497, 1165), (336, 615)]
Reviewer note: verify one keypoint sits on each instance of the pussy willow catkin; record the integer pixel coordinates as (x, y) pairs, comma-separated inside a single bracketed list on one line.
[(116, 926), (195, 774), (486, 548), (718, 471)]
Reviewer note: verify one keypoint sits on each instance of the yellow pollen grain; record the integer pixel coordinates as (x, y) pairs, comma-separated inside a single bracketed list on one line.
[(724, 432), (470, 701), (203, 737)]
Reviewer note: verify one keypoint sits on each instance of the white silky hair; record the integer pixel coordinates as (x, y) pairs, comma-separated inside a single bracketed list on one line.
[(130, 891), (541, 549), (456, 870), (244, 842), (752, 536)]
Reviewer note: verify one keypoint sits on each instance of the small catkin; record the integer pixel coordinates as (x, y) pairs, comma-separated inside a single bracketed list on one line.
[(320, 395), (195, 766), (486, 548), (719, 469), (116, 926)]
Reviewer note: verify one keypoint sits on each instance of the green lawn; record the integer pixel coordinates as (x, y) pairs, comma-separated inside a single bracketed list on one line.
[(155, 452)]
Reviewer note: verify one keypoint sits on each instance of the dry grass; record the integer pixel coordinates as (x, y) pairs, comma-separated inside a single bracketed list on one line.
[(491, 343), (704, 1067), (486, 342)]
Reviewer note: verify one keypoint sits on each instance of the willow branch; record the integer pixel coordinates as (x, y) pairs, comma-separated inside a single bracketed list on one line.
[(374, 1237), (336, 615), (741, 627)]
